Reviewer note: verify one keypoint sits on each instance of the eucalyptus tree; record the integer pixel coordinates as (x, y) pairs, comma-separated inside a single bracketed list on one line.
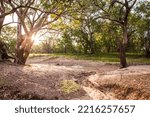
[(143, 25), (117, 11), (6, 9), (38, 15), (88, 26)]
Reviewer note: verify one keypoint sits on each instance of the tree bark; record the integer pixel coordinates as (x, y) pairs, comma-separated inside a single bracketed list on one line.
[(23, 46), (1, 23), (23, 51), (123, 61), (123, 44)]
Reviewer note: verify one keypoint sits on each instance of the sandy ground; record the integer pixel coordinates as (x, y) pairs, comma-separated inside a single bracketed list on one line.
[(61, 78)]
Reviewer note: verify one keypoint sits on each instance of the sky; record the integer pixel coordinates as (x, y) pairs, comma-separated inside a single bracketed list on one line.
[(10, 18)]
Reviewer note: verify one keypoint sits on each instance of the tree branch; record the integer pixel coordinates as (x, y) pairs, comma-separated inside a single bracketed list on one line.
[(10, 23)]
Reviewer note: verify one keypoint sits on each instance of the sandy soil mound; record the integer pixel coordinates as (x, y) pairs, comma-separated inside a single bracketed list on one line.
[(128, 83), (61, 78)]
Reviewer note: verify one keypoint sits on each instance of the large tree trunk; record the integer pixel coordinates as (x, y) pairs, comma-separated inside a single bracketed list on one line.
[(123, 61), (23, 50), (123, 44), (23, 46)]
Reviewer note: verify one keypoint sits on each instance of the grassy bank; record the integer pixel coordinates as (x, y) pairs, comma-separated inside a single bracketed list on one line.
[(105, 57)]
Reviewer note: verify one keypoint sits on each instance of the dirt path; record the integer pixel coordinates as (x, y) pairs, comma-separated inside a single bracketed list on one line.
[(61, 78)]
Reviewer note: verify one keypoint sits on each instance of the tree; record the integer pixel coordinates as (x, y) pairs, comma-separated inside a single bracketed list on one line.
[(6, 9), (118, 12), (143, 25), (38, 15), (90, 26), (7, 42), (108, 37), (8, 36), (66, 43)]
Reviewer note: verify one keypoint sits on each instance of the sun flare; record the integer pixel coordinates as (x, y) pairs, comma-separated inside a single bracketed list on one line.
[(36, 39)]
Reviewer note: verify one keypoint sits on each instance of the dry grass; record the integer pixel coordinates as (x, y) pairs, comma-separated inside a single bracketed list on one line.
[(69, 86)]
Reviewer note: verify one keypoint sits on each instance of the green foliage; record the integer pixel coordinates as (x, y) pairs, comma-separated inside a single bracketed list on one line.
[(8, 35), (89, 25), (66, 44), (143, 26)]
